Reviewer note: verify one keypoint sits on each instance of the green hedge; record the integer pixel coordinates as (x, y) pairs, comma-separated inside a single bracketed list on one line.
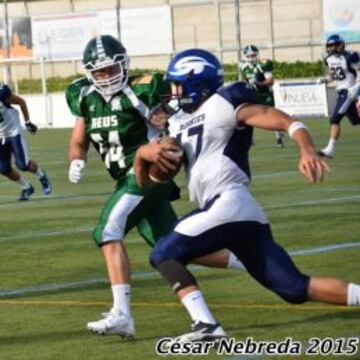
[(282, 70)]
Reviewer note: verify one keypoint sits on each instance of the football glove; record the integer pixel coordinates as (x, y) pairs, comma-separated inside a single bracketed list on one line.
[(31, 128), (76, 170)]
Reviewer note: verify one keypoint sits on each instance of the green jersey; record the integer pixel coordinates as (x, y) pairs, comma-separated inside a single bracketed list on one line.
[(117, 127), (258, 73)]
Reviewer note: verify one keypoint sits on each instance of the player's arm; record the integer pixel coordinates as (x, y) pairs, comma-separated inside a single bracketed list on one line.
[(78, 148), (263, 117), (328, 76), (18, 100), (268, 81)]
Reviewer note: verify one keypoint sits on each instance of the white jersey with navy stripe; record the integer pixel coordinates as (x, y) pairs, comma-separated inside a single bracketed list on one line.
[(215, 147), (10, 124), (343, 68)]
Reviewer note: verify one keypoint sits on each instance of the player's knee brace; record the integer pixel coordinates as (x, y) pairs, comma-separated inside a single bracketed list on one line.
[(176, 274), (296, 293)]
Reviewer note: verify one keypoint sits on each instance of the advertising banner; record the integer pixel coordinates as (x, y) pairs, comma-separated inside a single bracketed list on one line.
[(343, 18), (301, 98), (143, 31), (63, 37)]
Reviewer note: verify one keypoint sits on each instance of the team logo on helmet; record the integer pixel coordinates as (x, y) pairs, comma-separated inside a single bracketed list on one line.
[(188, 64)]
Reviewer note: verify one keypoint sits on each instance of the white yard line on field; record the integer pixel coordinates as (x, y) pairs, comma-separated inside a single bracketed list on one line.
[(82, 197), (315, 202), (141, 275)]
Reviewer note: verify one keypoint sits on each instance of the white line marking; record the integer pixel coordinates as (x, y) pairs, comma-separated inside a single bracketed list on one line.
[(315, 202), (36, 200), (78, 197), (276, 174), (141, 275), (46, 233)]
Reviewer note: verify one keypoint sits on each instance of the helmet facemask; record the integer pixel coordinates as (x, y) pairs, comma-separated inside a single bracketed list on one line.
[(109, 76), (251, 54), (252, 58), (335, 48)]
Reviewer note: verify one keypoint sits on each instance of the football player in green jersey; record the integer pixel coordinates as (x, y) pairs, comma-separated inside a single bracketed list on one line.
[(112, 112), (260, 75)]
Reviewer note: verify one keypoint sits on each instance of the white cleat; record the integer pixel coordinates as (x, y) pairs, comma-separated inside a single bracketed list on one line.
[(113, 324), (202, 332)]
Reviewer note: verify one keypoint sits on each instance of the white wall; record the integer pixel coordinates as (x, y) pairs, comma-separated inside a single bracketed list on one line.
[(51, 111)]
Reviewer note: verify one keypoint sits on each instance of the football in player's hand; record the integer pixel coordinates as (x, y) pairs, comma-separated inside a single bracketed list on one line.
[(157, 175)]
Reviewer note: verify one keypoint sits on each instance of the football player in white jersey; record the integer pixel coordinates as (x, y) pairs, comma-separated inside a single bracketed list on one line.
[(342, 67), (215, 125), (13, 143)]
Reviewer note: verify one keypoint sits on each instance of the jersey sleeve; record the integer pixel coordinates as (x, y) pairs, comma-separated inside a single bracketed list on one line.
[(239, 93), (5, 92), (73, 98), (151, 89)]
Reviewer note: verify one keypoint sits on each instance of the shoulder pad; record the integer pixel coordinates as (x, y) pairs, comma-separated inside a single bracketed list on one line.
[(150, 88), (74, 93), (142, 80), (352, 56), (238, 93)]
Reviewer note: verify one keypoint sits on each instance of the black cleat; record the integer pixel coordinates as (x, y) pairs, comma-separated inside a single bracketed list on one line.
[(280, 142), (202, 332), (325, 154), (45, 184), (26, 193)]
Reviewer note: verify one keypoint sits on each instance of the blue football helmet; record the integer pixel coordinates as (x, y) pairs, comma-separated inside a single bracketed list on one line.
[(199, 72), (335, 44)]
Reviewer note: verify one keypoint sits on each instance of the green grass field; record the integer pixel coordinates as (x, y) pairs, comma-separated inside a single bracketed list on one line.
[(49, 258)]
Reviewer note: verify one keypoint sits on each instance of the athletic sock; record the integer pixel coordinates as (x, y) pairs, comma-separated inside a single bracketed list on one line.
[(353, 295), (235, 263), (24, 184), (40, 173), (330, 146), (121, 298), (197, 308)]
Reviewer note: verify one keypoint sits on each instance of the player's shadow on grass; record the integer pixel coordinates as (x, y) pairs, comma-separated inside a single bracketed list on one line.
[(41, 338), (80, 335), (342, 314)]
